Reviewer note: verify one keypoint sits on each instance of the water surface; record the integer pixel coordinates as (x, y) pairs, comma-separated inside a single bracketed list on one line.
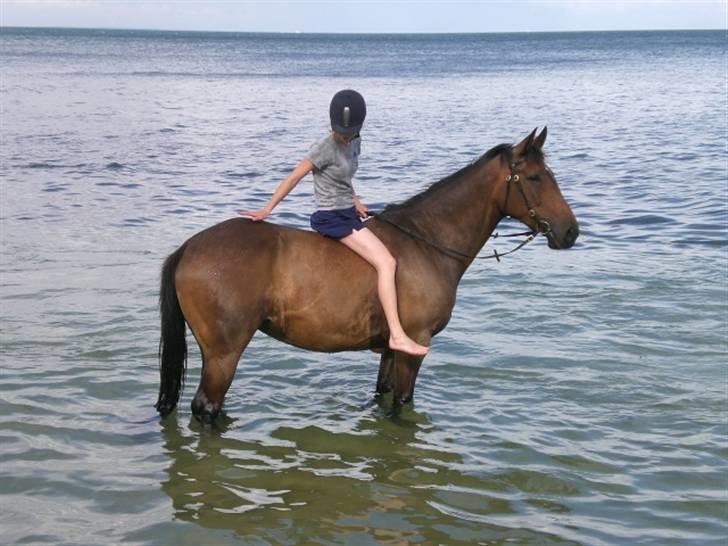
[(577, 397)]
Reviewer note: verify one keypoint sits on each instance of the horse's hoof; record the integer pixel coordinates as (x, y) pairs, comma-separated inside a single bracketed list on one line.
[(204, 410), (206, 418), (384, 389), (402, 400), (165, 409)]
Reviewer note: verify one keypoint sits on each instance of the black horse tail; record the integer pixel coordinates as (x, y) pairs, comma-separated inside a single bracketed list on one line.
[(172, 344)]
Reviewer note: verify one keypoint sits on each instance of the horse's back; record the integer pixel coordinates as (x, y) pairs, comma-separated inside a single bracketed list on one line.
[(244, 245)]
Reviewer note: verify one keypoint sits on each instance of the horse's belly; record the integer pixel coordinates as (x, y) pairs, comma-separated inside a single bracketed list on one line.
[(323, 297), (326, 332), (319, 322)]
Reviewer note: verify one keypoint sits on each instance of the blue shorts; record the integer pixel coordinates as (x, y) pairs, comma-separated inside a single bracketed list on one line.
[(338, 223)]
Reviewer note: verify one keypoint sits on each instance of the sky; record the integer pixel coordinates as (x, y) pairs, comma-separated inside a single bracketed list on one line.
[(369, 16)]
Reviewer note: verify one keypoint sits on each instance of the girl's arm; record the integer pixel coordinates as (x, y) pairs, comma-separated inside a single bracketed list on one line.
[(285, 187), (360, 207)]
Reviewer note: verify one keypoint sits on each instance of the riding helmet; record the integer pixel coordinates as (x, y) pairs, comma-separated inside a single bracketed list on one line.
[(347, 112)]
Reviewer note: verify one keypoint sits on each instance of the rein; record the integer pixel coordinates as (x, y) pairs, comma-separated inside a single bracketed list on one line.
[(456, 253), (544, 228)]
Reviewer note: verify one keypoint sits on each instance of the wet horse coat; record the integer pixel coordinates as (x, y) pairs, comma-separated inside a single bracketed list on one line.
[(240, 276)]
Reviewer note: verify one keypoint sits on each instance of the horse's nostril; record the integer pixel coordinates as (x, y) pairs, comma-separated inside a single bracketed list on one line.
[(571, 234)]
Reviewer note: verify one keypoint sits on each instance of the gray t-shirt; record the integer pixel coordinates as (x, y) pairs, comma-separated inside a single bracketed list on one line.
[(334, 167)]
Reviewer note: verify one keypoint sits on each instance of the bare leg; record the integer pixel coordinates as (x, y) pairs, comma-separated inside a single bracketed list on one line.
[(369, 247)]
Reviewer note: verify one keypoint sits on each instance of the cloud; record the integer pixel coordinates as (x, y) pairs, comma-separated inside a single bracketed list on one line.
[(367, 15)]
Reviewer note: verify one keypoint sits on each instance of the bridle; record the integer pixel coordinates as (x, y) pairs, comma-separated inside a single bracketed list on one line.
[(544, 228)]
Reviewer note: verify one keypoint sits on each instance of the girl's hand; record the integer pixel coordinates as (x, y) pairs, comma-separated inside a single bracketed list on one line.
[(361, 208), (255, 215), (284, 188)]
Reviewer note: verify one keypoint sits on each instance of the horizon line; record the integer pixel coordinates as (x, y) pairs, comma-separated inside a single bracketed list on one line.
[(361, 33)]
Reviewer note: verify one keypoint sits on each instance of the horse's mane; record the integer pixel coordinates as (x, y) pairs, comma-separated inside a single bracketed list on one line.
[(502, 150)]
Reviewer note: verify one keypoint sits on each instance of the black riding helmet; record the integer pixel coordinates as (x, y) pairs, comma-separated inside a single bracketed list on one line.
[(347, 112)]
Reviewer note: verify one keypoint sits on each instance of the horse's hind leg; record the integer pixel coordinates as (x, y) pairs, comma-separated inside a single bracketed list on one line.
[(219, 362), (217, 375)]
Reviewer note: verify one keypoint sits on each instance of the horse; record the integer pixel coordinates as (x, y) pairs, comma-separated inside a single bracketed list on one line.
[(241, 276)]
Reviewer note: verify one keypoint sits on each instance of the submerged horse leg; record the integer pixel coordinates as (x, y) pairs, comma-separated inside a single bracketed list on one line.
[(386, 366), (218, 371), (222, 334), (405, 369), (222, 338), (223, 329)]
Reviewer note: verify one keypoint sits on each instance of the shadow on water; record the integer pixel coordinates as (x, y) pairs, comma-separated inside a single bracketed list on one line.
[(377, 482)]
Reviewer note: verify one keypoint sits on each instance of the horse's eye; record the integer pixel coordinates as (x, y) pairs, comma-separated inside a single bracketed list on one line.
[(534, 178)]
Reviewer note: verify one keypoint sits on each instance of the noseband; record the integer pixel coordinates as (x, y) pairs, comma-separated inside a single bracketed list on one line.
[(543, 226)]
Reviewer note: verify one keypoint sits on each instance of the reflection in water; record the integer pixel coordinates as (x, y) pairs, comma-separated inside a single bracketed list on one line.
[(308, 481), (377, 482)]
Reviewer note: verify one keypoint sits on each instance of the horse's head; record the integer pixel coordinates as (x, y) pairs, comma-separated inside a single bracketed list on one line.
[(532, 195)]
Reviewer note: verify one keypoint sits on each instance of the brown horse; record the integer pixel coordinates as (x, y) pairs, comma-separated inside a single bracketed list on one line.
[(239, 276)]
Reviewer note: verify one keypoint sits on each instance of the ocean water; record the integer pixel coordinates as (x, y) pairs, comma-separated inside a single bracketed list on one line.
[(577, 397)]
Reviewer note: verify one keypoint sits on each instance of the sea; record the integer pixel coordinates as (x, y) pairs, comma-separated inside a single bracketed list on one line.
[(577, 397)]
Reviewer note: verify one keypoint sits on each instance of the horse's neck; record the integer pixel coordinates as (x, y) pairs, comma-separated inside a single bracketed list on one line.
[(462, 214)]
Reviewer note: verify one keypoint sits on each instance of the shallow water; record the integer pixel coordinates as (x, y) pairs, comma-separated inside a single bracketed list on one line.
[(577, 397)]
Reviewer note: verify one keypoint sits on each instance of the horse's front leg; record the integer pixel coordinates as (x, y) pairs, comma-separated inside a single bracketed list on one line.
[(404, 373), (386, 368)]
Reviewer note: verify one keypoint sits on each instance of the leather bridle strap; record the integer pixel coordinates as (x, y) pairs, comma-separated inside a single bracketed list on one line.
[(514, 177)]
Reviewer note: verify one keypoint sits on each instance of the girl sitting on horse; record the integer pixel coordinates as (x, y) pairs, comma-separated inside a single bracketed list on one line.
[(334, 159)]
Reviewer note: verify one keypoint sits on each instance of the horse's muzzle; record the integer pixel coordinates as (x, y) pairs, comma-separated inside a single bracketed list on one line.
[(560, 239)]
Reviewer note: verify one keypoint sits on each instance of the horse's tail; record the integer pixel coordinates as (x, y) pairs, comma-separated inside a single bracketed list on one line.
[(172, 344)]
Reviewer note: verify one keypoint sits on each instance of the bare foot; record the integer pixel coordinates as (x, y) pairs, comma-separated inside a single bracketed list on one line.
[(406, 345)]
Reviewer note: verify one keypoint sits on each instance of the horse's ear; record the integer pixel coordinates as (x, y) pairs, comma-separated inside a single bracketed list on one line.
[(540, 139), (520, 148)]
